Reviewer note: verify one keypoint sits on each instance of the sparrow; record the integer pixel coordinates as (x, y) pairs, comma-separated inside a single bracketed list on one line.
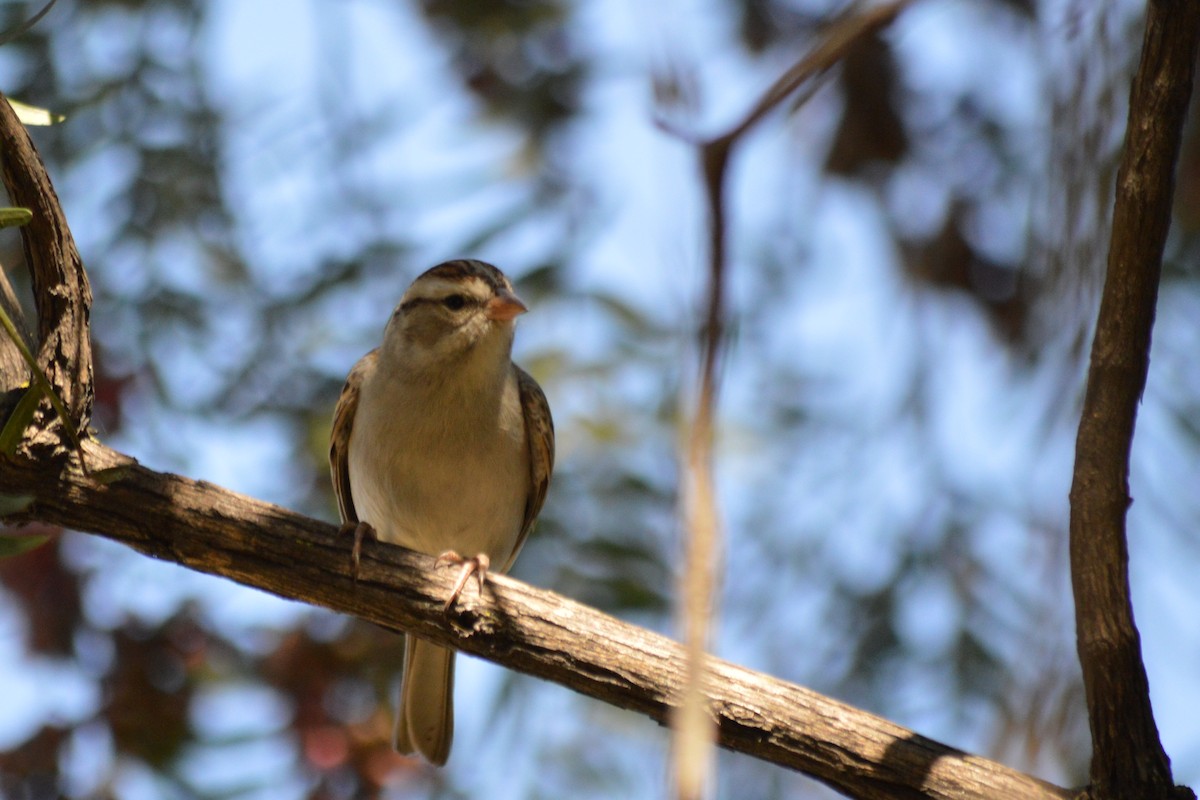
[(442, 444)]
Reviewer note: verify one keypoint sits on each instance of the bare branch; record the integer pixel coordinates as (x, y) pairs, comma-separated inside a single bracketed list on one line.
[(703, 545), (1128, 759), (832, 48), (60, 285), (213, 530)]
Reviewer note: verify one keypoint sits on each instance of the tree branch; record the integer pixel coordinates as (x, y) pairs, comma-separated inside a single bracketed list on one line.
[(1128, 759), (213, 530), (60, 286), (702, 550)]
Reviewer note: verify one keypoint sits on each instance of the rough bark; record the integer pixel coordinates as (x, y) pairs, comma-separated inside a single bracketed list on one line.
[(210, 529), (213, 530), (62, 295), (1128, 759)]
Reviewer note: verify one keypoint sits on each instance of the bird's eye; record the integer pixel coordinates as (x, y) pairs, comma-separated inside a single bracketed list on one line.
[(454, 302)]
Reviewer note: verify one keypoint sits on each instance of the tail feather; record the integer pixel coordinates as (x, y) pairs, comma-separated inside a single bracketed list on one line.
[(425, 717)]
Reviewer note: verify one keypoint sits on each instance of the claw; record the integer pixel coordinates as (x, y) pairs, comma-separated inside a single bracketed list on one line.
[(360, 531), (478, 566)]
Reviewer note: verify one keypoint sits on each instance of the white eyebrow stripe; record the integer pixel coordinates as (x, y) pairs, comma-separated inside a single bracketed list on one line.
[(429, 289)]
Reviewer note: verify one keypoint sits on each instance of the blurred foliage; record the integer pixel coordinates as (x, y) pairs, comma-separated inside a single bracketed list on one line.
[(894, 471)]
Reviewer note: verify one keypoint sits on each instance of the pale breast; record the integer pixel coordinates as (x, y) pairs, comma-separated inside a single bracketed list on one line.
[(439, 473)]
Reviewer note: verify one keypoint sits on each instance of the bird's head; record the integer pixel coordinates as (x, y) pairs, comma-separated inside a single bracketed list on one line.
[(458, 311)]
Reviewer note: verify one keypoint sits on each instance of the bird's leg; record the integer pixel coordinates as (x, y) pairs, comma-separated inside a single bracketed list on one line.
[(360, 531), (477, 565)]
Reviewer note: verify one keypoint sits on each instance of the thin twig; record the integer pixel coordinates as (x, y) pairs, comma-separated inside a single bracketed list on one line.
[(23, 27), (693, 724), (835, 43)]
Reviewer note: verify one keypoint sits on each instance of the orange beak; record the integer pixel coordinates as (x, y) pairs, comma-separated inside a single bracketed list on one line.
[(504, 307)]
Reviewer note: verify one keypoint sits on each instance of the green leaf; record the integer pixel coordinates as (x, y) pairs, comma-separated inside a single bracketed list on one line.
[(32, 115), (40, 378), (12, 503), (14, 216), (18, 421), (16, 545)]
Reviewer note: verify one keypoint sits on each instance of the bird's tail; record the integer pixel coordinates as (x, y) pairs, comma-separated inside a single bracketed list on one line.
[(425, 717)]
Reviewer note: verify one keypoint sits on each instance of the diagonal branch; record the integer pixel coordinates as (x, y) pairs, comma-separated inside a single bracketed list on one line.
[(213, 530), (1128, 759)]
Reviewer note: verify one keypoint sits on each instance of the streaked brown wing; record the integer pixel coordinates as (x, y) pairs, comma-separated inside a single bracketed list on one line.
[(539, 431), (339, 436)]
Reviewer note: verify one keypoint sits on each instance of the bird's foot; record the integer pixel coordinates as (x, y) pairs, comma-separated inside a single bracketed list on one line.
[(360, 530), (477, 566)]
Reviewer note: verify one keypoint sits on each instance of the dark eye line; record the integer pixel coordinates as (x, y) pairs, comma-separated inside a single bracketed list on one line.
[(453, 302), (407, 304)]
